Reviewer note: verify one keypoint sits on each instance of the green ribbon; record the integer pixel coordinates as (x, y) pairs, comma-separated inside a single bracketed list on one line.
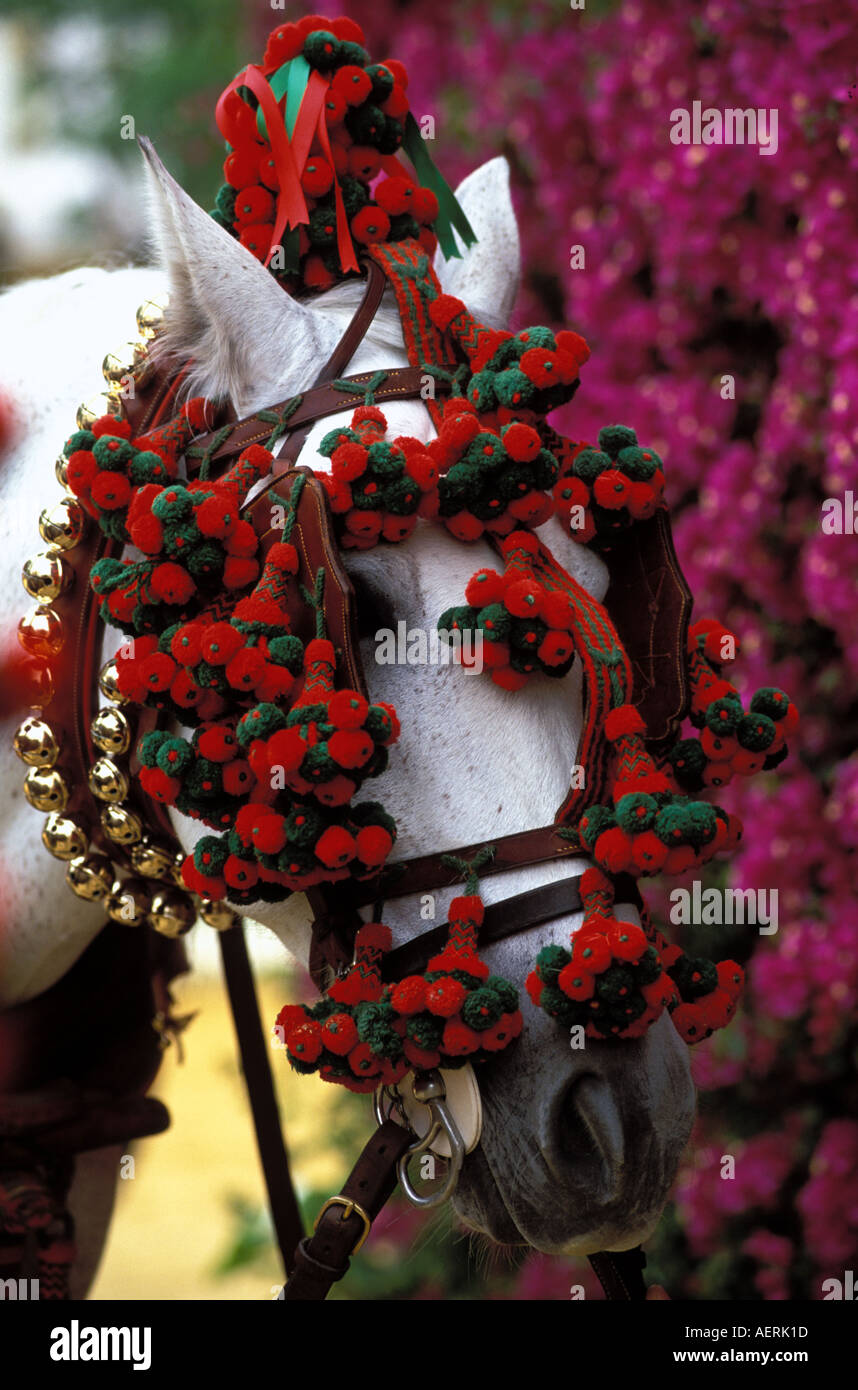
[(290, 81), (450, 213)]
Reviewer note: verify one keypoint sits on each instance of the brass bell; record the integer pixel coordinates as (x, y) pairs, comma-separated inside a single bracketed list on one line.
[(150, 315), (172, 913), (107, 781), (40, 684), (61, 469), (46, 789), (40, 633), (129, 903), (151, 860), (44, 576), (90, 876), (63, 525), (218, 914), (118, 364), (62, 838), (108, 683), (110, 732), (95, 407), (35, 743), (121, 825)]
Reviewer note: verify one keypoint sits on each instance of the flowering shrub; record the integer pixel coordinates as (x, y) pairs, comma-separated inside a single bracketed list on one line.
[(704, 263)]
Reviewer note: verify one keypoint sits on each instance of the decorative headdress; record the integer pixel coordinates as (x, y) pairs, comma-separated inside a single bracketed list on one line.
[(229, 636)]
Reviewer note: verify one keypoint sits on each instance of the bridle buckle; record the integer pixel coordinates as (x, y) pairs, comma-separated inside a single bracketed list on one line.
[(351, 1208)]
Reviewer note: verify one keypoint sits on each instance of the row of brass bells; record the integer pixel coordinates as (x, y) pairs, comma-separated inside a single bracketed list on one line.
[(45, 576), (40, 633), (172, 913), (90, 876), (121, 825), (150, 316), (63, 838), (130, 361), (46, 789), (35, 742), (129, 903), (110, 732), (63, 525), (107, 781), (217, 914), (108, 683)]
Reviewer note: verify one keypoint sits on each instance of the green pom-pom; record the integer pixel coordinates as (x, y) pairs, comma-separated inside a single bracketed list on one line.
[(382, 81), (210, 854), (559, 1006), (401, 497), (204, 781), (378, 724), (688, 762), (426, 1031), (723, 716), (334, 438), (550, 961), (462, 618), (205, 560), (594, 820), (225, 201), (110, 574), (613, 438), (287, 651), (113, 525), (174, 504), (322, 49), (403, 224), (505, 991), (304, 825), (648, 967), (672, 824), (174, 756), (482, 1009), (756, 732), (481, 390), (494, 621), (112, 453), (374, 1024), (355, 195), (167, 636), (771, 701), (322, 229), (373, 813), (260, 722), (365, 124), (638, 463), (318, 765), (148, 467), (297, 860), (775, 759), (81, 439), (702, 823), (149, 746), (636, 812), (538, 337), (589, 463), (694, 976), (511, 387), (615, 984)]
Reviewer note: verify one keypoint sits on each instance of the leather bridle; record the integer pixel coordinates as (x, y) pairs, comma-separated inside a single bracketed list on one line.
[(314, 1263)]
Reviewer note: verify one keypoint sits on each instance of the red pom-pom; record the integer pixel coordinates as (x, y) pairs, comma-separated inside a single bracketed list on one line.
[(459, 1040), (374, 844), (335, 847), (444, 309), (445, 997), (521, 442), (350, 748), (219, 644), (375, 936), (370, 224), (409, 996), (623, 722), (340, 1034), (613, 850), (171, 584)]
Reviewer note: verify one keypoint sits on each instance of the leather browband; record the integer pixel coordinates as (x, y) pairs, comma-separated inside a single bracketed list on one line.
[(503, 919)]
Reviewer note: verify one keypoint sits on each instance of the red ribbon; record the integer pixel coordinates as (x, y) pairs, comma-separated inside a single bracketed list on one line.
[(290, 155)]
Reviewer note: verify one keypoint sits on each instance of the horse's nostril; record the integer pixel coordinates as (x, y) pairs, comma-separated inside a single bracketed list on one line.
[(588, 1127)]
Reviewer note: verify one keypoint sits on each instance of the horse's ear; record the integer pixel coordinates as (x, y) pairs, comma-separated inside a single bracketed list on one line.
[(486, 276), (226, 310)]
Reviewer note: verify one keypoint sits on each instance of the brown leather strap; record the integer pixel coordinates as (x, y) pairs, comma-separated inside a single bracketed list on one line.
[(256, 1066), (620, 1272), (429, 871), (324, 1257)]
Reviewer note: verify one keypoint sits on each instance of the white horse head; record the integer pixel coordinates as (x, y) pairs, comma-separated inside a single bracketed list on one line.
[(578, 1148)]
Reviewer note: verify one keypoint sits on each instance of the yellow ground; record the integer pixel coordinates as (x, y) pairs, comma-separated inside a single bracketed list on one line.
[(173, 1222)]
